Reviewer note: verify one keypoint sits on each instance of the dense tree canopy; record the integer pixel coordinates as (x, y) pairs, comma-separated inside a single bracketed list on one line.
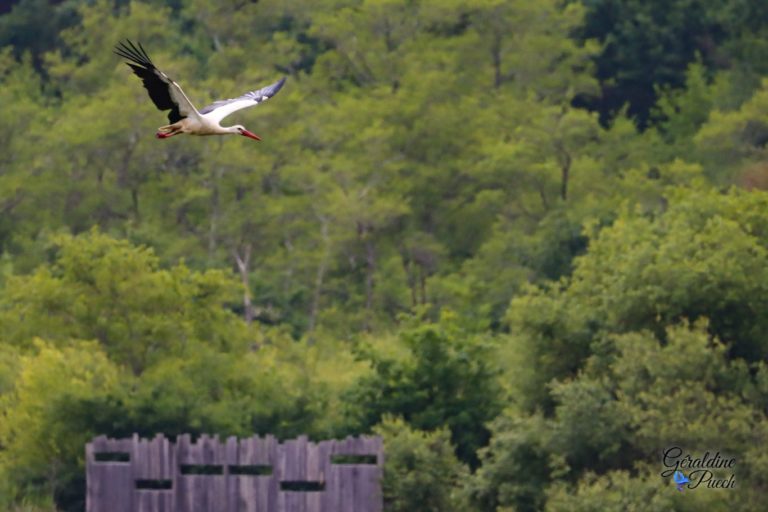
[(522, 241)]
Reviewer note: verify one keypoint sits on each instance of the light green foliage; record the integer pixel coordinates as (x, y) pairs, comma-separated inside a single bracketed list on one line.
[(420, 470), (673, 388), (687, 109), (38, 505), (105, 289), (738, 135), (40, 446), (9, 365), (703, 257), (617, 490), (20, 96), (210, 391)]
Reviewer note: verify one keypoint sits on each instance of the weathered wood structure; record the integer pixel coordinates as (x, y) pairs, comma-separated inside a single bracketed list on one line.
[(237, 475)]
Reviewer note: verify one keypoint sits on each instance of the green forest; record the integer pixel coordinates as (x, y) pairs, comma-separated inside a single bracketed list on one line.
[(524, 241)]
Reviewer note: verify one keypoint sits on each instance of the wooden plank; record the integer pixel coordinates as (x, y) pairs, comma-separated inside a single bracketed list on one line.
[(201, 492), (268, 450), (252, 493), (154, 460), (154, 501), (109, 484), (356, 486), (184, 491), (217, 484), (231, 456), (284, 500)]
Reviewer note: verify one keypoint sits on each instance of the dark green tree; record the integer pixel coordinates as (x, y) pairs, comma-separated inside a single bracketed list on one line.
[(446, 378)]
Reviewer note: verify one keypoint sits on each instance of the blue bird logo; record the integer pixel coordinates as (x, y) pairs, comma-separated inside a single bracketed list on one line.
[(680, 480)]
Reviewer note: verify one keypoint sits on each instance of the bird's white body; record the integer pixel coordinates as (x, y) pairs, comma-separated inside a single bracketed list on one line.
[(197, 125)]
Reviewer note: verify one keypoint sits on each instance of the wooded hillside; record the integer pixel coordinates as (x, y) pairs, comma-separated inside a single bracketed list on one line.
[(523, 241)]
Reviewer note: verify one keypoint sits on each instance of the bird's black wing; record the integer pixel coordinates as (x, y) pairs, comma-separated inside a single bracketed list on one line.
[(164, 92)]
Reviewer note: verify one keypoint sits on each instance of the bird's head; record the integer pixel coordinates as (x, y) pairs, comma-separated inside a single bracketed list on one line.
[(245, 133)]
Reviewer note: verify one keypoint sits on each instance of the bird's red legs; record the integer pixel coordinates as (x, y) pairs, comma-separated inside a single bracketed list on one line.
[(168, 131)]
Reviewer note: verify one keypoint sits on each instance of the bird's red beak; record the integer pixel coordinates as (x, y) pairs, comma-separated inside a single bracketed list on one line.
[(251, 135)]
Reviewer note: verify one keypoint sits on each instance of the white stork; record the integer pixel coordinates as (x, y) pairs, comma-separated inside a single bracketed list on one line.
[(184, 117)]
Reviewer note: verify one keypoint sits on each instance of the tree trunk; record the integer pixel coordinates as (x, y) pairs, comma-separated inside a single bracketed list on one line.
[(243, 266), (123, 175), (370, 268), (565, 170), (410, 275), (423, 284), (135, 203), (213, 228), (496, 55), (320, 275)]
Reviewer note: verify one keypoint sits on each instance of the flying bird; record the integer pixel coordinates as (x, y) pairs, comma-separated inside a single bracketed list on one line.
[(183, 116)]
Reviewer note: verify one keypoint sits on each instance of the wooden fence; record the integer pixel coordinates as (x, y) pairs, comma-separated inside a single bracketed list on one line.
[(238, 475)]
